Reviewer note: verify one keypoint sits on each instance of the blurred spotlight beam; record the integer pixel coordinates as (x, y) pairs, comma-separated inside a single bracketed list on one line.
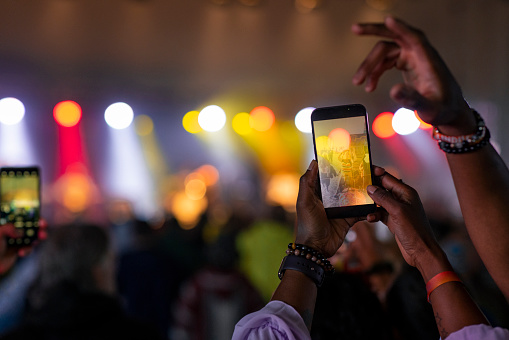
[(127, 174), (15, 145)]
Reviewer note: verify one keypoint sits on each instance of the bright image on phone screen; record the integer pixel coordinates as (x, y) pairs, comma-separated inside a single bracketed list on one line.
[(343, 161), (19, 201)]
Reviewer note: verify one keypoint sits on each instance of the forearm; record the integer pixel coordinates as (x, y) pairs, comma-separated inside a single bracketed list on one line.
[(298, 291), (481, 179), (453, 307)]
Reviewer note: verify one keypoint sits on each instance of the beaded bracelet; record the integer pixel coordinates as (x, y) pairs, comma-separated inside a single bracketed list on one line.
[(310, 254), (464, 143)]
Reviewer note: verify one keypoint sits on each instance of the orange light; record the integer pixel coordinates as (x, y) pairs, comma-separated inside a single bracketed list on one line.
[(74, 190), (282, 189), (339, 139), (187, 211), (382, 125), (424, 125), (209, 173), (261, 118), (67, 113)]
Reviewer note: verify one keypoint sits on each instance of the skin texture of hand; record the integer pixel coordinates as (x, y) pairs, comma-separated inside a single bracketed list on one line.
[(314, 229), (428, 87), (9, 255), (453, 307), (404, 216)]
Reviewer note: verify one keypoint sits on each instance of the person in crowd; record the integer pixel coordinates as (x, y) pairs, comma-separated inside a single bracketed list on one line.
[(217, 296), (397, 285), (346, 308), (289, 313), (73, 295), (480, 175), (148, 279)]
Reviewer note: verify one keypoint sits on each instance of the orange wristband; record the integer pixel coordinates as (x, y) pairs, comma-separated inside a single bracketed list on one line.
[(439, 280)]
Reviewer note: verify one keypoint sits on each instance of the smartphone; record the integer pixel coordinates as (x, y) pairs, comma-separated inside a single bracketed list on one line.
[(342, 149), (20, 202)]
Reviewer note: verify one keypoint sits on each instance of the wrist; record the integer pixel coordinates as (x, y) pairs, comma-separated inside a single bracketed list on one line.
[(432, 262), (463, 125), (311, 243)]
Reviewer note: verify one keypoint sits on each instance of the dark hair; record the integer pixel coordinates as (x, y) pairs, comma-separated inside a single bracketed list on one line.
[(67, 257)]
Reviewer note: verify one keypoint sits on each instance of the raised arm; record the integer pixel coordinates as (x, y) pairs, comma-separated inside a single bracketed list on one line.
[(480, 176), (316, 231), (453, 307), (290, 312)]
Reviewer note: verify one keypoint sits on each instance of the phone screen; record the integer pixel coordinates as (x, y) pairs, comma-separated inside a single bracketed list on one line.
[(20, 202), (342, 150)]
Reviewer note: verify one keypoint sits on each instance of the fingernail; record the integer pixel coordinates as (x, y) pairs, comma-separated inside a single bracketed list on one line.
[(371, 189)]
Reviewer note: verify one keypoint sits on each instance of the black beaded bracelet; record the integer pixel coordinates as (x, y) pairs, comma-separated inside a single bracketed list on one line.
[(310, 254)]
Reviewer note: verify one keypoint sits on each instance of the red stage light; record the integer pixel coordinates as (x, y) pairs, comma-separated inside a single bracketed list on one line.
[(67, 113), (382, 125)]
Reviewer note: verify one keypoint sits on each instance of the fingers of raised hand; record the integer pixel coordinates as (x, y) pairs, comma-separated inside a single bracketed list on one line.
[(377, 29), (382, 57), (403, 33)]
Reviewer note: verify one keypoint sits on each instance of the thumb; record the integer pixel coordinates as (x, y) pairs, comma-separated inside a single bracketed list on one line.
[(409, 97), (383, 198)]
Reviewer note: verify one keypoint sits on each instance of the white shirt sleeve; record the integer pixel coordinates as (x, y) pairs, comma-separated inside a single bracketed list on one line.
[(483, 332), (275, 321)]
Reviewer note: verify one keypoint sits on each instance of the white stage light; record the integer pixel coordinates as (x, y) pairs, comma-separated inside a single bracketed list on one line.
[(212, 118), (405, 122), (119, 115), (12, 111), (303, 119)]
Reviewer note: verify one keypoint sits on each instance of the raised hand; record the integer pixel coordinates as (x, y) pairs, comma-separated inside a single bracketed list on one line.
[(428, 86), (314, 229), (405, 217)]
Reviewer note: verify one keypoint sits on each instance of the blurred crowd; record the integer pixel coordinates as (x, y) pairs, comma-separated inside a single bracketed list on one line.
[(144, 278)]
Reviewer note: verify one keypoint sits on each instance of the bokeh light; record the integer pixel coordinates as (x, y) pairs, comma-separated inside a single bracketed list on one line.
[(190, 122), (209, 174), (144, 125), (119, 115), (306, 6), (405, 122), (339, 139), (261, 118), (67, 113), (187, 211), (303, 120), (240, 123), (12, 111), (382, 125), (212, 118), (282, 189), (74, 191), (195, 188)]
